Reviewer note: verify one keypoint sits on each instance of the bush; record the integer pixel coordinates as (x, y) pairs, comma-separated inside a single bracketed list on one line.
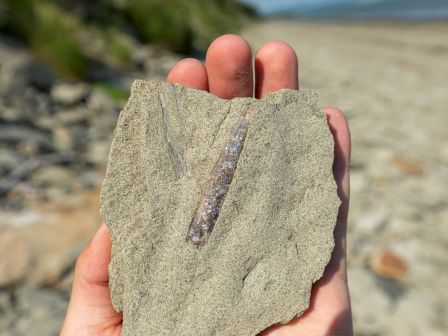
[(73, 35)]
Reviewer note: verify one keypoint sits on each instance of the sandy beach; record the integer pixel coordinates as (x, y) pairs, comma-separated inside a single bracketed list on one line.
[(391, 81)]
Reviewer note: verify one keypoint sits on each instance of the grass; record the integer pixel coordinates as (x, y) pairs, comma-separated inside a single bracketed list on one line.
[(74, 35), (116, 93)]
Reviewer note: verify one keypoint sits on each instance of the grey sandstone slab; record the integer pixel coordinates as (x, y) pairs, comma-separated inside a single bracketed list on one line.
[(221, 212)]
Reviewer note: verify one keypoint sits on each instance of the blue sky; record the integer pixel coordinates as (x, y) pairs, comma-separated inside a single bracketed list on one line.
[(265, 6)]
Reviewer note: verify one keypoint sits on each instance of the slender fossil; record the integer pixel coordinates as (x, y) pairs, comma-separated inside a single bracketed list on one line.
[(176, 153), (214, 193)]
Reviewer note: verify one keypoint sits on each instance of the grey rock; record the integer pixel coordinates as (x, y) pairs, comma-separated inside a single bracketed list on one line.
[(63, 139), (13, 134), (9, 159), (274, 233), (373, 221), (16, 257), (8, 113), (6, 311), (42, 311), (69, 93), (50, 326), (5, 301), (98, 153), (73, 115), (91, 178), (39, 303), (20, 70), (13, 75), (100, 101), (40, 76), (28, 107), (33, 105), (54, 175), (46, 122), (358, 181)]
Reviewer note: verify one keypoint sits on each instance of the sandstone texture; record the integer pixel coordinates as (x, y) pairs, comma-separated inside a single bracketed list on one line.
[(273, 235)]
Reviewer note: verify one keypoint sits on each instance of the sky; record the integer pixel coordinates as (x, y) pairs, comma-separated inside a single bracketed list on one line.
[(265, 6)]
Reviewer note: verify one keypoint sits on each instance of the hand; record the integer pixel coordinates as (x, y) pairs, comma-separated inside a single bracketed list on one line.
[(227, 74)]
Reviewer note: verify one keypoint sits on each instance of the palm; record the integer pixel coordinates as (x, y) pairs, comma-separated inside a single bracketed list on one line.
[(227, 74)]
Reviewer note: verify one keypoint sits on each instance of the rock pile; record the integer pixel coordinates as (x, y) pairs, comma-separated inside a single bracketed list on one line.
[(54, 142)]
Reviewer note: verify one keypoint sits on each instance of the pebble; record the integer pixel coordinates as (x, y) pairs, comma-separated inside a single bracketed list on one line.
[(407, 165), (69, 93), (373, 221), (358, 181), (20, 70), (74, 115), (6, 313), (13, 75), (389, 265), (63, 139), (98, 153), (14, 134), (99, 101), (9, 160), (57, 176), (41, 311), (15, 258)]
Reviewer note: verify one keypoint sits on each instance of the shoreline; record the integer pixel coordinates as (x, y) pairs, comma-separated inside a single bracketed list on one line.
[(390, 81)]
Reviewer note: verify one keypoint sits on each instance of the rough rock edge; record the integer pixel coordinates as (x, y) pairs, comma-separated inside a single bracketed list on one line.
[(275, 98)]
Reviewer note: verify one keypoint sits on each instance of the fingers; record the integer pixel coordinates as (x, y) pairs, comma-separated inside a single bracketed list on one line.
[(92, 264), (91, 279), (189, 72), (276, 68), (342, 147), (229, 67), (90, 310), (228, 72)]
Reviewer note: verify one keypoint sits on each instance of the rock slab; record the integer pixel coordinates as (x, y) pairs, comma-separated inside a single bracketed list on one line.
[(273, 235)]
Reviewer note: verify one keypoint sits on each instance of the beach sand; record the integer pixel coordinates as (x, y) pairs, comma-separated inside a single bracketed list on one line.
[(391, 81)]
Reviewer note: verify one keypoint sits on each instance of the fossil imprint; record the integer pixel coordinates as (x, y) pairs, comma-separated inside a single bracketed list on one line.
[(214, 193)]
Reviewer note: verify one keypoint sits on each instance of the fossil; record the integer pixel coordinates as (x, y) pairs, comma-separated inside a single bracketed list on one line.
[(221, 212), (214, 193), (177, 157)]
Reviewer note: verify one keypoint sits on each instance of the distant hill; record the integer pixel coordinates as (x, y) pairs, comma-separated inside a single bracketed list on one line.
[(385, 9)]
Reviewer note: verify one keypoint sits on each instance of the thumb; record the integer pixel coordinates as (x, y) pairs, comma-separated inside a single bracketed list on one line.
[(90, 309)]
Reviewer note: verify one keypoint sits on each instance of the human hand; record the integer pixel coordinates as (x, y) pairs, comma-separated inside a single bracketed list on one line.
[(227, 74)]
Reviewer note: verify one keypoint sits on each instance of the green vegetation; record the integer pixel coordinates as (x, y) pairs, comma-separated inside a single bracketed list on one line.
[(75, 35), (115, 92)]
